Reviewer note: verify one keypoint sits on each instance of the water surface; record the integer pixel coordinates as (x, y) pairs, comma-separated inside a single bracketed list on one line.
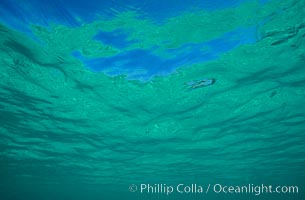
[(92, 102)]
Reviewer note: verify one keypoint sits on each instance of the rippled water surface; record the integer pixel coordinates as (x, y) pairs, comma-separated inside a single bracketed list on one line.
[(97, 96)]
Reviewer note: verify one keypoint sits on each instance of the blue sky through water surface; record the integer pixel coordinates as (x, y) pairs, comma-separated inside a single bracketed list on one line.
[(70, 12), (136, 63), (144, 64)]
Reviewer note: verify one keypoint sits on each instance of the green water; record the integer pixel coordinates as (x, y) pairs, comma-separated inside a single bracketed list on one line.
[(69, 133)]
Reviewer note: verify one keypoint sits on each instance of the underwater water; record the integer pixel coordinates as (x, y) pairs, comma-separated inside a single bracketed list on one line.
[(152, 99)]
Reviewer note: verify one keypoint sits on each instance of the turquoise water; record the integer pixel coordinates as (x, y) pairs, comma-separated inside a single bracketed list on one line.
[(108, 106)]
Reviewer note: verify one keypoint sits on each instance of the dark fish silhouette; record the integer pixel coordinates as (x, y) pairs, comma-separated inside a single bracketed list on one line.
[(201, 83)]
